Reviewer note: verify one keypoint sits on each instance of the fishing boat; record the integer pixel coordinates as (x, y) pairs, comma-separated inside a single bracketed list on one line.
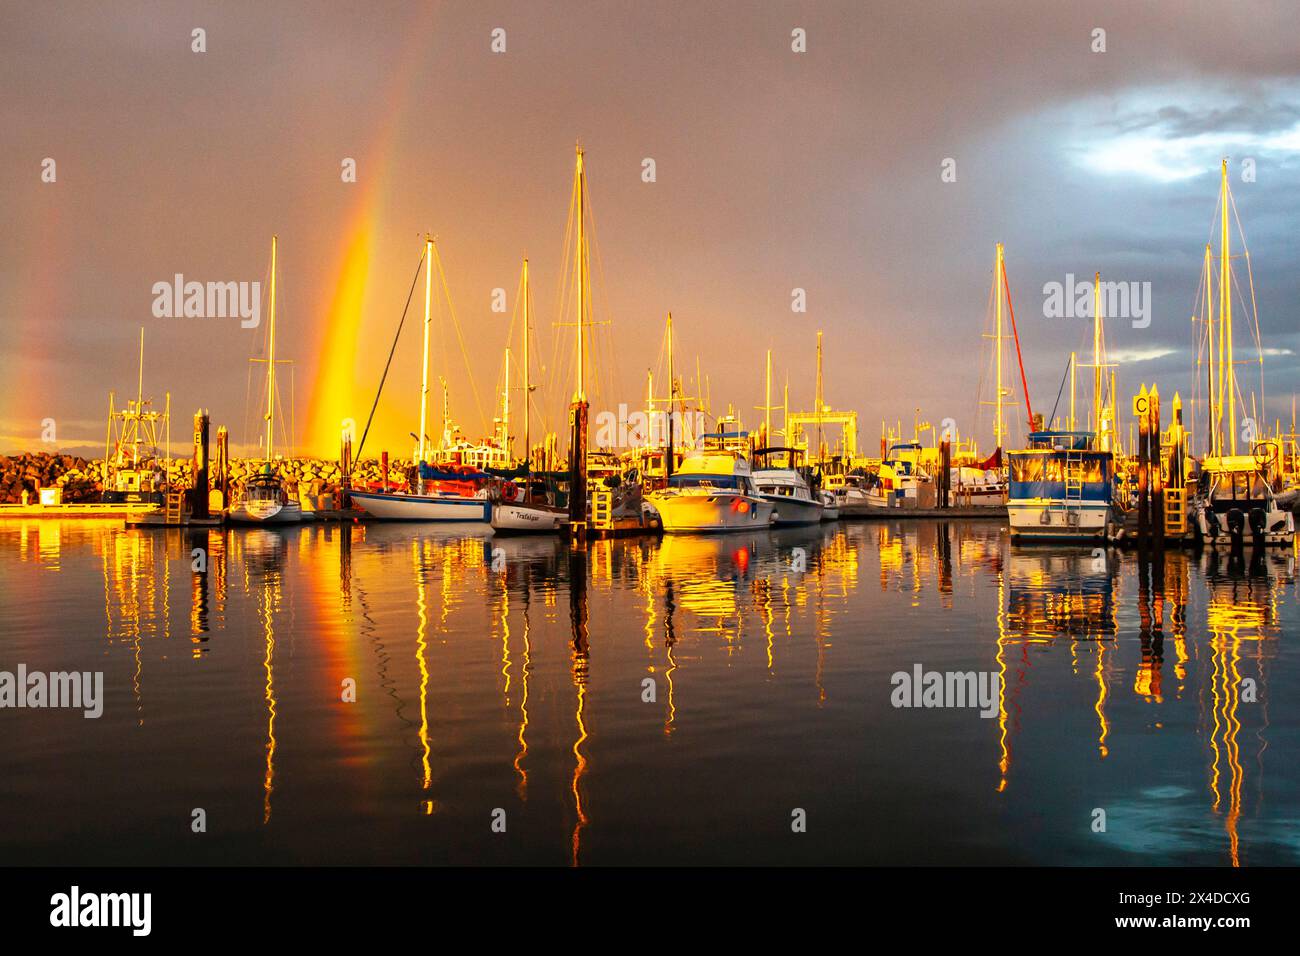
[(1062, 486), (447, 494), (1235, 498), (713, 491), (135, 467), (1235, 503), (786, 487), (264, 499), (899, 478), (524, 509)]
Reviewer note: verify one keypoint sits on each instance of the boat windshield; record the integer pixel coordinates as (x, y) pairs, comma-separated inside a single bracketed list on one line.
[(733, 482)]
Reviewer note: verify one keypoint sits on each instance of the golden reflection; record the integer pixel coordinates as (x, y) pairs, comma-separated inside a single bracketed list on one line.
[(580, 664), (419, 566), (1242, 612), (523, 704)]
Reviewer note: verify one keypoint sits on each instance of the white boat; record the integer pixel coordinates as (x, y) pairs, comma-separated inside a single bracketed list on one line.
[(1235, 505), (851, 496), (400, 506), (830, 506), (786, 488), (899, 479), (713, 491), (1062, 487), (264, 499), (430, 500)]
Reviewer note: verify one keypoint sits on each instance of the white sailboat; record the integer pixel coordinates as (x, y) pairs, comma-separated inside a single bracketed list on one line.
[(1235, 502), (520, 510), (264, 499), (437, 496)]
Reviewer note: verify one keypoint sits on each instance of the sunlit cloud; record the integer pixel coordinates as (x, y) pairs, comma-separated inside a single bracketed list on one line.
[(1129, 356), (1158, 137)]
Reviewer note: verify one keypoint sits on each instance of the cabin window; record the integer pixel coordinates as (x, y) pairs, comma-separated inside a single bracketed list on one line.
[(1027, 468)]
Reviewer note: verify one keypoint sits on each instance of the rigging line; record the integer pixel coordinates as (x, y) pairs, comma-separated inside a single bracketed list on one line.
[(1068, 362), (1024, 383), (389, 363), (455, 324)]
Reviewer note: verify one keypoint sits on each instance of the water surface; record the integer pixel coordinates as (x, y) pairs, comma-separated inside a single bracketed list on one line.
[(649, 701)]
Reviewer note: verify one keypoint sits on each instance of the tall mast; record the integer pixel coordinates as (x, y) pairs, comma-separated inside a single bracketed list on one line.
[(528, 453), (270, 366), (669, 460), (139, 391), (1225, 313), (767, 401), (1212, 410), (1096, 357), (424, 375), (578, 409), (505, 409), (818, 397), (999, 429), (579, 183)]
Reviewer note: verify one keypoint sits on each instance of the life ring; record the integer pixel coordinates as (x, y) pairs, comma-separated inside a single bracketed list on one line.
[(509, 491)]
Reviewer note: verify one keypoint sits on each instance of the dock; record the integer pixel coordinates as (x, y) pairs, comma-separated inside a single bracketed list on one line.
[(964, 512), (87, 510)]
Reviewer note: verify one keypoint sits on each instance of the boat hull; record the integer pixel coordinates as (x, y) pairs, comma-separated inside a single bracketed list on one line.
[(265, 512), (1279, 531), (686, 514), (527, 519), (393, 507), (1049, 519), (789, 510)]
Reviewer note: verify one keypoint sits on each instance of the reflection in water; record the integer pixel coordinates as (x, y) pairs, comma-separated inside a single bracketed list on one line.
[(581, 665), (1126, 674)]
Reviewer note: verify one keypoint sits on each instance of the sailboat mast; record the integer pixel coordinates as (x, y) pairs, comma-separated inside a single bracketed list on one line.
[(580, 186), (270, 366), (424, 374), (139, 391), (528, 454), (819, 396), (767, 401), (669, 460), (1225, 313), (1096, 356), (999, 429), (505, 409), (1212, 412)]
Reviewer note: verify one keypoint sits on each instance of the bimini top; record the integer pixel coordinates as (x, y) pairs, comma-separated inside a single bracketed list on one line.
[(1062, 440)]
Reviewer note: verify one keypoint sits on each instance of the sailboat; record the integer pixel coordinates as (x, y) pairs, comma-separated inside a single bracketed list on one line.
[(1235, 496), (264, 499), (439, 495), (523, 510)]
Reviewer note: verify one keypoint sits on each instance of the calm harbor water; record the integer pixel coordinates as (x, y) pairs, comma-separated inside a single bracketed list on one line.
[(511, 675)]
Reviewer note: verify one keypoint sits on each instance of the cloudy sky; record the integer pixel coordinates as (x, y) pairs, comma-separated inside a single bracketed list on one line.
[(774, 170)]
